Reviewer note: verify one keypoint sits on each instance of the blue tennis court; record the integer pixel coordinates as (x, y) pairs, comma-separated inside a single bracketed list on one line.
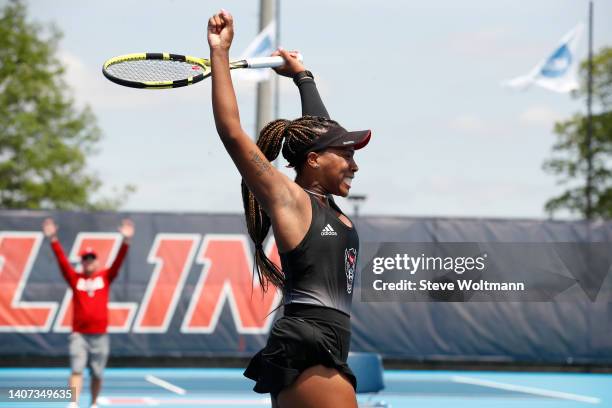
[(173, 387)]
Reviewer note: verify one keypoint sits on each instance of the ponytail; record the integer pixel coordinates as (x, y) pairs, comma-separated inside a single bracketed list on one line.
[(299, 135), (258, 223)]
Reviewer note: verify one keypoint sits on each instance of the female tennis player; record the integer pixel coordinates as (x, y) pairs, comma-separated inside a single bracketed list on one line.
[(304, 361)]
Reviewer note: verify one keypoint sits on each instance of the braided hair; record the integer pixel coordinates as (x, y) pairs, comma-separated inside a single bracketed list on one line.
[(299, 135)]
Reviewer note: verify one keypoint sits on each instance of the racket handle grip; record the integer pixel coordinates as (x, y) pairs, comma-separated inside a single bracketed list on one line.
[(268, 62)]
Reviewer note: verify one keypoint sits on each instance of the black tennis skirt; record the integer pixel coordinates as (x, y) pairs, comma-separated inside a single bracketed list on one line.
[(305, 336)]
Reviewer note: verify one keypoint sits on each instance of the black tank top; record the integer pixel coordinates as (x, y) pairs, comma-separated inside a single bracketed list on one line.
[(321, 269)]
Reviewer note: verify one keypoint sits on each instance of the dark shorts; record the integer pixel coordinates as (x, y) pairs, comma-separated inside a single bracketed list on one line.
[(304, 337)]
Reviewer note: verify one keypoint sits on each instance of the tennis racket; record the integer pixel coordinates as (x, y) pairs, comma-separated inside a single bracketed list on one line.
[(153, 70)]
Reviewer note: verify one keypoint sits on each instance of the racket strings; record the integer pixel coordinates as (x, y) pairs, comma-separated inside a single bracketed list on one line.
[(154, 70)]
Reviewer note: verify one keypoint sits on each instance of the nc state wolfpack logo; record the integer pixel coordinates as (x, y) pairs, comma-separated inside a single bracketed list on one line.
[(350, 262)]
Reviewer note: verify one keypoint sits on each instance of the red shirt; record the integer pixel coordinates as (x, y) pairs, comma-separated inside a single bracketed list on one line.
[(89, 294)]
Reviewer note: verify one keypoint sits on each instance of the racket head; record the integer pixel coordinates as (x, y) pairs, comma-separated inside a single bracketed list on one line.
[(156, 70)]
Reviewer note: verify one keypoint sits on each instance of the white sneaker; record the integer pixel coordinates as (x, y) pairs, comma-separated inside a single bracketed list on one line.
[(94, 406)]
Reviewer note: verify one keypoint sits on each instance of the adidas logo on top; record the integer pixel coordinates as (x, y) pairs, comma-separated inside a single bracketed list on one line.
[(328, 230)]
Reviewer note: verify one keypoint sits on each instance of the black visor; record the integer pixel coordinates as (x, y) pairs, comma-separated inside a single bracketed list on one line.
[(337, 136)]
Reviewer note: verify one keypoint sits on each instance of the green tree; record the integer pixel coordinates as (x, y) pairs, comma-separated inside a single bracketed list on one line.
[(44, 139), (571, 151)]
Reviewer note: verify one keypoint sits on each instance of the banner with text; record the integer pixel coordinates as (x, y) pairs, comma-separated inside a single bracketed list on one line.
[(426, 289)]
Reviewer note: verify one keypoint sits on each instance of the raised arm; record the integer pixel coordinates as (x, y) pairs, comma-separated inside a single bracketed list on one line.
[(127, 231), (312, 104), (272, 189), (50, 230)]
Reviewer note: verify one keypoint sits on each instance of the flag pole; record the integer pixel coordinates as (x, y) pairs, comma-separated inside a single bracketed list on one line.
[(264, 88), (276, 45), (589, 127), (276, 77)]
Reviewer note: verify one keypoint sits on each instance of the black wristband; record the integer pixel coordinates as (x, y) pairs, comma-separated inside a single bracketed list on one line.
[(297, 78)]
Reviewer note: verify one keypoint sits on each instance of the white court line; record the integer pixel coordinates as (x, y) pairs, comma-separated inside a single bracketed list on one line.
[(165, 384), (109, 401), (528, 390), (173, 402), (103, 401)]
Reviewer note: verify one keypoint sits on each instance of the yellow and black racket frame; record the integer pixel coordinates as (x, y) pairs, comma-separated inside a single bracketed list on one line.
[(164, 56), (257, 62)]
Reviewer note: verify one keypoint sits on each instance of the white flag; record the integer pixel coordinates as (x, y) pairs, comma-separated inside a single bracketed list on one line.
[(261, 46), (559, 71)]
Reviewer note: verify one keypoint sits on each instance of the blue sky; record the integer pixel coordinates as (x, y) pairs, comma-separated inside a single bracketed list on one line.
[(448, 140)]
